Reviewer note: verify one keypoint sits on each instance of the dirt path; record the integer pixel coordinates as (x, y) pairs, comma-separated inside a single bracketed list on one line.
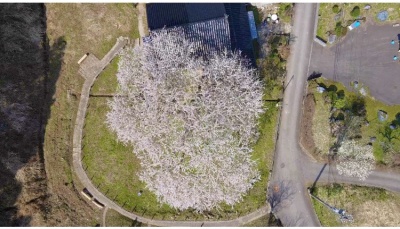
[(141, 17)]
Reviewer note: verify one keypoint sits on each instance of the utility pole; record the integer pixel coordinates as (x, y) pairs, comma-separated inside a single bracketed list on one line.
[(340, 212)]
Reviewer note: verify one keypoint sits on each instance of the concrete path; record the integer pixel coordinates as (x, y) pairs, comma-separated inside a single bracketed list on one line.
[(90, 68), (103, 218), (291, 165), (141, 17)]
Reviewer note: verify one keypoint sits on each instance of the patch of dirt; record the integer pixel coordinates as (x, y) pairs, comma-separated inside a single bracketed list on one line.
[(306, 135), (377, 214)]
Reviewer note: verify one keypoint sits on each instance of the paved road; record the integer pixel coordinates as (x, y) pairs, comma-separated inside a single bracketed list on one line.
[(366, 55), (296, 210), (291, 166), (325, 174)]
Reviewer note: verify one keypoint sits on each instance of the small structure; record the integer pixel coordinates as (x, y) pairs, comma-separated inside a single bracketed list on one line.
[(355, 83), (320, 89), (383, 15), (395, 58), (331, 38), (363, 91), (274, 17), (367, 7), (354, 25), (382, 115)]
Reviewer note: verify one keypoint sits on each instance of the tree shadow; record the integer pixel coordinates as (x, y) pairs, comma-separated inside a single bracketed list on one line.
[(279, 194), (314, 75), (29, 70)]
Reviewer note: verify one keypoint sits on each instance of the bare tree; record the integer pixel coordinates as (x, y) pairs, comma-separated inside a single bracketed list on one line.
[(355, 160), (192, 122)]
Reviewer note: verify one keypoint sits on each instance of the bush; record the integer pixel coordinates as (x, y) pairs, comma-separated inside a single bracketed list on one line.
[(340, 31), (335, 9), (344, 31), (355, 12)]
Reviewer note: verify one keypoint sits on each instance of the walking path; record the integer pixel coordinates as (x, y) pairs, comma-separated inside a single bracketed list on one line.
[(141, 16), (104, 217), (91, 67), (290, 163)]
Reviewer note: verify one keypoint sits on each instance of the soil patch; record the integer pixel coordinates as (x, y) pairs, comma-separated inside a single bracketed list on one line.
[(306, 133)]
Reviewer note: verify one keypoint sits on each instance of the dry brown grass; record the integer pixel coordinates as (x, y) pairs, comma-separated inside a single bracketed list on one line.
[(320, 124), (83, 28), (327, 23), (368, 206)]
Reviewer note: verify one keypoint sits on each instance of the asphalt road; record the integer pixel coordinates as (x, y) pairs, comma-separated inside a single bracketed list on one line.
[(292, 167), (326, 174), (296, 209), (293, 170), (366, 55)]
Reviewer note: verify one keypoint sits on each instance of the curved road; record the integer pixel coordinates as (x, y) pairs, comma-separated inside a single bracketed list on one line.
[(293, 170), (292, 167)]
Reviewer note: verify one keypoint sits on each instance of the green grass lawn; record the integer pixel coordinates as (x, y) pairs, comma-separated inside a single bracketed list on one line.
[(368, 206), (372, 107), (74, 29), (114, 219), (113, 166), (327, 23)]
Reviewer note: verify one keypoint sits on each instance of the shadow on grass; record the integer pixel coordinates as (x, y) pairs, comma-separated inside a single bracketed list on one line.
[(29, 71)]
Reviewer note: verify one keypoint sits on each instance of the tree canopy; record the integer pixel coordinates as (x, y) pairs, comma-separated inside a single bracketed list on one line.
[(192, 121)]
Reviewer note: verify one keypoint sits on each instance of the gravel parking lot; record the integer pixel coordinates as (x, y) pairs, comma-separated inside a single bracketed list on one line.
[(365, 54)]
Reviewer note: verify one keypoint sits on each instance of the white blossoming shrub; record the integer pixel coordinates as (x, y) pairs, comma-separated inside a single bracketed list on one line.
[(355, 160), (192, 122)]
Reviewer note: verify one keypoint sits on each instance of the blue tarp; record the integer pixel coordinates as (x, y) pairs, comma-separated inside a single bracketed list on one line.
[(383, 15), (252, 23), (355, 24)]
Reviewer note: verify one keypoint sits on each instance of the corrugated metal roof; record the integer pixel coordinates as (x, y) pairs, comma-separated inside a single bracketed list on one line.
[(174, 14), (205, 24), (208, 36)]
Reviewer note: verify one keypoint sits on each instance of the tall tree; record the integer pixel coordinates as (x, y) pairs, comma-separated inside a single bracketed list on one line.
[(192, 121), (355, 160)]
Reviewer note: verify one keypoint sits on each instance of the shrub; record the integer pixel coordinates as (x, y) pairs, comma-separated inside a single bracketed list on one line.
[(335, 9), (344, 31), (338, 29), (355, 12)]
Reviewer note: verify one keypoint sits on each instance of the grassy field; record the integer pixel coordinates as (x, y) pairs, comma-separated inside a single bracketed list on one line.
[(320, 122), (326, 21), (368, 206), (113, 166), (73, 30), (372, 107)]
